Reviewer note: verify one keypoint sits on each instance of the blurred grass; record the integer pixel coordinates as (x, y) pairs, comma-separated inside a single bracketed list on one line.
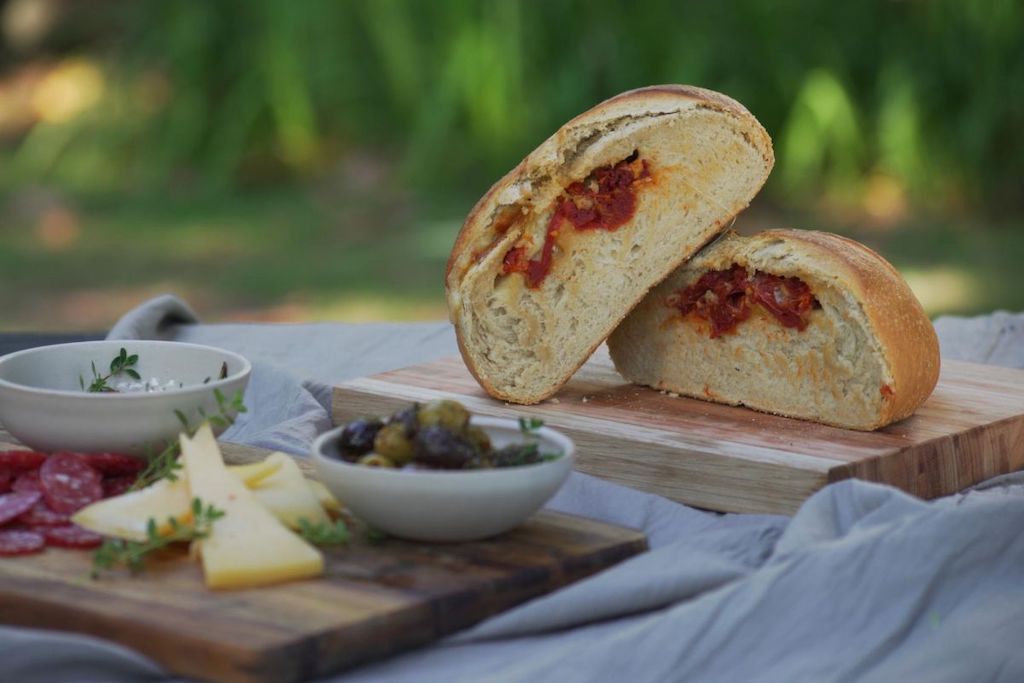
[(279, 256), (217, 96), (279, 160)]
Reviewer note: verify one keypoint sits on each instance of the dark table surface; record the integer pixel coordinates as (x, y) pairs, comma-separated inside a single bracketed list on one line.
[(16, 341)]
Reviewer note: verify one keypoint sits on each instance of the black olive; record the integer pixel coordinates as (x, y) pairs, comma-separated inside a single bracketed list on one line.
[(407, 418), (358, 435), (441, 448)]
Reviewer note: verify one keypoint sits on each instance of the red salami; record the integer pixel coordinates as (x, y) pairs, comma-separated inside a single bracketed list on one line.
[(68, 482), (27, 482), (115, 486), (21, 460), (40, 515), (5, 479), (113, 464), (17, 542), (71, 536), (16, 504)]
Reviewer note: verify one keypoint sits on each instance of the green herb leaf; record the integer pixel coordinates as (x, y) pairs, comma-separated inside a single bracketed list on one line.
[(324, 533), (165, 465), (375, 536), (132, 554), (530, 424), (122, 362)]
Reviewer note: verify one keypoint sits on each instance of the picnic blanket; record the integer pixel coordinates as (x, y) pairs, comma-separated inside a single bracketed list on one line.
[(863, 583)]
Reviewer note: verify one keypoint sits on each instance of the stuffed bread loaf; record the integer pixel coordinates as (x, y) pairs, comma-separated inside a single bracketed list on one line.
[(798, 323), (559, 250)]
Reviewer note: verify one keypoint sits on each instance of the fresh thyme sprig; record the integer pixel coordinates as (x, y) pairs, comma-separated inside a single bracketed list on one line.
[(122, 363), (375, 536), (165, 465), (324, 533), (132, 554), (528, 425)]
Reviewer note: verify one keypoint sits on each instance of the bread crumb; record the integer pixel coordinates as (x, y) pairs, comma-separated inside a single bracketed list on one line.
[(585, 399), (673, 394), (555, 401)]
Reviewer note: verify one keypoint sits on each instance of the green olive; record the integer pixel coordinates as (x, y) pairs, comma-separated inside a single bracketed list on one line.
[(444, 413), (375, 460), (478, 437), (392, 443)]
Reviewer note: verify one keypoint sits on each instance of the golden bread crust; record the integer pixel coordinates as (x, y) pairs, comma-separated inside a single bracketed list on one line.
[(900, 332), (530, 187)]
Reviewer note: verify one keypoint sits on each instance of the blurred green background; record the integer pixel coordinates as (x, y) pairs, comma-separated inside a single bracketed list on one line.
[(276, 160)]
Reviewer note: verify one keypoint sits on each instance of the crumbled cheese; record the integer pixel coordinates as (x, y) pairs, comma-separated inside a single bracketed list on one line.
[(150, 385)]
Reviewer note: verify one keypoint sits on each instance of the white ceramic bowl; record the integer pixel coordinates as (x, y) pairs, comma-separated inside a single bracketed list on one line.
[(44, 406), (449, 505)]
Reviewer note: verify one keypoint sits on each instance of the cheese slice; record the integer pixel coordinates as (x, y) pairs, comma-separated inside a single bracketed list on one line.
[(255, 472), (127, 515), (288, 495), (248, 546), (324, 495)]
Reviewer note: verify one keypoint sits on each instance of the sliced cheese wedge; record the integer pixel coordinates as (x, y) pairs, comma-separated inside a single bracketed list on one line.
[(255, 472), (324, 495), (288, 495), (127, 516), (248, 546)]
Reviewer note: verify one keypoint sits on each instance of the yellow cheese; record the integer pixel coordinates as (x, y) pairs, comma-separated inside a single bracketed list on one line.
[(288, 495), (253, 473), (323, 494), (126, 516), (248, 546)]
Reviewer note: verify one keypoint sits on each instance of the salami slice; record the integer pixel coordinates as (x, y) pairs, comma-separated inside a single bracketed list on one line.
[(115, 464), (115, 486), (40, 515), (69, 483), (71, 536), (19, 542), (16, 504), (21, 460), (27, 482), (5, 479)]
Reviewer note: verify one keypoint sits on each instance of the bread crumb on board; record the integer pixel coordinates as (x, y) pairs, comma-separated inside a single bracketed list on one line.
[(554, 401)]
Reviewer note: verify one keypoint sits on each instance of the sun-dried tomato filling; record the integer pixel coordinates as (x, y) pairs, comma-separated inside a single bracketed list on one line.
[(726, 298), (604, 200)]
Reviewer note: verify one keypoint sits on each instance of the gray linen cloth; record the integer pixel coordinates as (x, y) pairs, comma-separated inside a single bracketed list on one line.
[(863, 583)]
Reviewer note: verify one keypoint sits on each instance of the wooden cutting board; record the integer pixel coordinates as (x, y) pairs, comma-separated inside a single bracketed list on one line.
[(373, 601), (734, 459)]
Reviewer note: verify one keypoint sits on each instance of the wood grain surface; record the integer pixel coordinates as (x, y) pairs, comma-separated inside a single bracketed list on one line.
[(734, 459), (373, 601)]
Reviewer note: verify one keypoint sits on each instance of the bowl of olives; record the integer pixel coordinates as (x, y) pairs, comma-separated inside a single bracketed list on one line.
[(433, 472)]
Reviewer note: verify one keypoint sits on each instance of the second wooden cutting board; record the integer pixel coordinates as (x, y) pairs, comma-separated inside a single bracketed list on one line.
[(738, 460)]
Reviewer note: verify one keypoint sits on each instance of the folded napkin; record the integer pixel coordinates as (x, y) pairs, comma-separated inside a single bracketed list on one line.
[(863, 583)]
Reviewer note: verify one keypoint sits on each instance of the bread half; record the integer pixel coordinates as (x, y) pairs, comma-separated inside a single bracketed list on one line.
[(798, 323), (561, 248)]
